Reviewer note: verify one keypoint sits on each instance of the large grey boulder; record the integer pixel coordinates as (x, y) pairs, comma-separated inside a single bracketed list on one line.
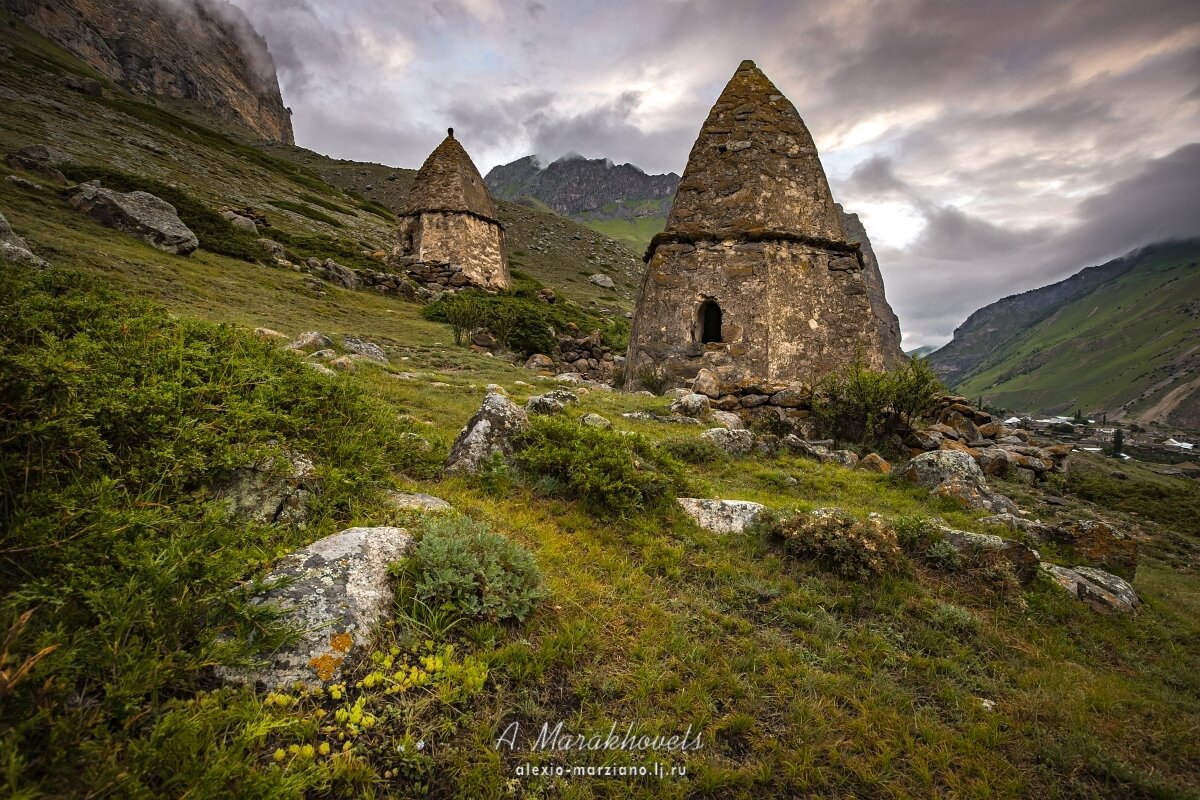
[(335, 273), (602, 280), (735, 443), (1102, 591), (14, 249), (140, 214), (721, 516), (274, 489), (954, 474), (335, 591), (543, 404), (492, 430)]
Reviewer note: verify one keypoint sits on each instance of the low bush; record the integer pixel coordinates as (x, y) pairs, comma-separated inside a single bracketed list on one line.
[(838, 541), (693, 450), (613, 475), (462, 567), (863, 406)]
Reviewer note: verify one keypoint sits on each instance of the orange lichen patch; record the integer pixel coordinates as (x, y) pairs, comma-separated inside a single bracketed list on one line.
[(324, 665), (341, 642)]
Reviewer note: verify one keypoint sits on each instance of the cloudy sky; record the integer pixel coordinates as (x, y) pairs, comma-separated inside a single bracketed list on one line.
[(990, 146)]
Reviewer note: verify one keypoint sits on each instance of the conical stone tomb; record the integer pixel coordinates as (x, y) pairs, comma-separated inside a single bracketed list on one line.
[(753, 277), (449, 220)]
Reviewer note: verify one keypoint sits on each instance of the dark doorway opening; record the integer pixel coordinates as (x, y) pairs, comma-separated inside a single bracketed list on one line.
[(710, 321)]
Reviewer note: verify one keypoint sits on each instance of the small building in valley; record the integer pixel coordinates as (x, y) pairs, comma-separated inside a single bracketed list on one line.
[(448, 231)]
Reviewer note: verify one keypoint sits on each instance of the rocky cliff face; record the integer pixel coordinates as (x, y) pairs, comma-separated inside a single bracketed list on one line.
[(574, 185), (200, 50), (888, 323)]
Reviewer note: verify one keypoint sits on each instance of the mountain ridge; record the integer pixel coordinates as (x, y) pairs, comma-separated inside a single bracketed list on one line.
[(1113, 338)]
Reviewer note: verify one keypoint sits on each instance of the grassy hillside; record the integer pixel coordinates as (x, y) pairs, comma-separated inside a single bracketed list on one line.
[(1128, 347), (130, 385)]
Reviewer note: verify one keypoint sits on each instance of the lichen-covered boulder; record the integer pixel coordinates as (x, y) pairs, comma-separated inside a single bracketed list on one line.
[(368, 350), (734, 443), (1023, 559), (721, 516), (424, 503), (543, 404), (338, 590), (602, 280), (727, 419), (492, 430), (595, 421), (954, 474), (140, 214), (1099, 543), (274, 489), (1102, 591), (690, 405)]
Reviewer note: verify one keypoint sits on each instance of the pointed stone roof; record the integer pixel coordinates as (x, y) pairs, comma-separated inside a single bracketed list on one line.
[(449, 181), (754, 168)]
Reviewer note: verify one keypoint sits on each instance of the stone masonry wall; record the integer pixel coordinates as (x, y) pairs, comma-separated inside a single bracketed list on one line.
[(790, 311), (463, 240)]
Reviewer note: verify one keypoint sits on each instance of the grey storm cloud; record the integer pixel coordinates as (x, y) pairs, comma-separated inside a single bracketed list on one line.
[(988, 147)]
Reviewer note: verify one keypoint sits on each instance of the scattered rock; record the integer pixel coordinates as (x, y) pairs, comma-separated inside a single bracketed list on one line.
[(873, 462), (540, 362), (727, 419), (735, 443), (275, 489), (324, 355), (335, 273), (14, 249), (495, 388), (491, 430), (426, 503), (311, 341), (564, 396), (268, 335), (365, 349), (41, 160), (602, 280), (543, 404), (595, 421), (338, 588), (23, 183), (1023, 560), (845, 458), (139, 214), (342, 363), (241, 223), (690, 405), (321, 368), (955, 474), (1103, 592), (721, 516), (707, 384), (1099, 543)]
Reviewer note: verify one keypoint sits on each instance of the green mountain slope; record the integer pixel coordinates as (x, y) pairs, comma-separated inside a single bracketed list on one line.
[(1129, 346)]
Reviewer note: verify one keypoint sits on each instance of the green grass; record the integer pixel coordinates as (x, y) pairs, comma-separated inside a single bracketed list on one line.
[(635, 233)]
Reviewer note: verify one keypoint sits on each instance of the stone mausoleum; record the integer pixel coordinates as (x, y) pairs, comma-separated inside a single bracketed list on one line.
[(754, 277), (448, 231)]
